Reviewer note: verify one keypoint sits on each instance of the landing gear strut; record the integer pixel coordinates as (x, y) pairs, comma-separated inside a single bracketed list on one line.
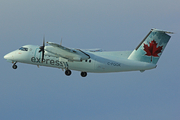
[(14, 66), (83, 74), (68, 72)]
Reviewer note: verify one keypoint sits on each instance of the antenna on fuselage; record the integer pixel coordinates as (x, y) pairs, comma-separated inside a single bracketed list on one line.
[(61, 41)]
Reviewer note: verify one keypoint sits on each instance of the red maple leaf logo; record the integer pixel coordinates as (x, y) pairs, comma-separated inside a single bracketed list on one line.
[(152, 49)]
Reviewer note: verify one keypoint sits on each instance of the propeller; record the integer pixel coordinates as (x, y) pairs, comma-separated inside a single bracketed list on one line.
[(42, 49)]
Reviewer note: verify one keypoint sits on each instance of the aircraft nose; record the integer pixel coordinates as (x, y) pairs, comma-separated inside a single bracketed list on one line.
[(8, 56)]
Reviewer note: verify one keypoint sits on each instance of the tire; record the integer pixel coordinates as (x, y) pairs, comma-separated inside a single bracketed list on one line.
[(83, 74), (14, 66), (68, 72)]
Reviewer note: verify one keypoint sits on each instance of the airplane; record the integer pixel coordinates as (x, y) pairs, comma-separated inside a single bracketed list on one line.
[(144, 57)]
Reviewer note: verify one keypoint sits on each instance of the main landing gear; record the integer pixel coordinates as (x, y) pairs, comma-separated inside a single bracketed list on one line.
[(68, 73), (14, 66), (83, 74)]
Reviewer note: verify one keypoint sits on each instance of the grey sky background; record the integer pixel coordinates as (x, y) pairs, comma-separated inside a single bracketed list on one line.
[(43, 93)]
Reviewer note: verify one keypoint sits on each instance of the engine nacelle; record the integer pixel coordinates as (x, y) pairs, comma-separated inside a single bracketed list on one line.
[(49, 54)]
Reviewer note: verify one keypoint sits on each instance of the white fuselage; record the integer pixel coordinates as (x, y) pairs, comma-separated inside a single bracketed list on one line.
[(99, 62)]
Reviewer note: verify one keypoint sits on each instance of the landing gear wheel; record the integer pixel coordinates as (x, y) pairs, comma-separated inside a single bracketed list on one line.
[(14, 66), (83, 74), (68, 72)]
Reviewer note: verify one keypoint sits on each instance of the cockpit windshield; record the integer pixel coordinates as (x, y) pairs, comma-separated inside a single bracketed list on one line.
[(23, 49)]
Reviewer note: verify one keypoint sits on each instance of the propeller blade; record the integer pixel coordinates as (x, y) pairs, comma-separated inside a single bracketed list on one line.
[(44, 41), (42, 49), (42, 56)]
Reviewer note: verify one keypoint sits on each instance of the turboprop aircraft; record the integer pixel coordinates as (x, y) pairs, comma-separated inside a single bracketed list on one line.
[(144, 57)]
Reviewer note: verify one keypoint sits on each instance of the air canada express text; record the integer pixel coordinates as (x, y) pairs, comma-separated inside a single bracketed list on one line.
[(48, 61)]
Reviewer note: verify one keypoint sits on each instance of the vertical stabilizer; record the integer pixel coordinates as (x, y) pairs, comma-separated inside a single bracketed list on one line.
[(152, 46)]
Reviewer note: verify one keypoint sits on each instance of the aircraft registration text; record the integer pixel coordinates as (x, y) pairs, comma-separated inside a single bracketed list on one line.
[(114, 64)]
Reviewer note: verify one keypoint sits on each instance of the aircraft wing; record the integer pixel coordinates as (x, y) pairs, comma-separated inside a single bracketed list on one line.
[(67, 53)]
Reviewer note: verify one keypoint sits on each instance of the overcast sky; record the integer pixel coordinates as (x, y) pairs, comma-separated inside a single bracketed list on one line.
[(32, 93)]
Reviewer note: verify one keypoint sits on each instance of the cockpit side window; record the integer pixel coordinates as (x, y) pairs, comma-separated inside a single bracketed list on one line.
[(23, 49)]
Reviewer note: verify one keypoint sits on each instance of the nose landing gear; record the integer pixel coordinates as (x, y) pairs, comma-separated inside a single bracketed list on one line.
[(14, 66)]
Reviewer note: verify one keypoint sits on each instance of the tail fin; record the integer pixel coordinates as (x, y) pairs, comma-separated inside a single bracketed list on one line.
[(152, 46)]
